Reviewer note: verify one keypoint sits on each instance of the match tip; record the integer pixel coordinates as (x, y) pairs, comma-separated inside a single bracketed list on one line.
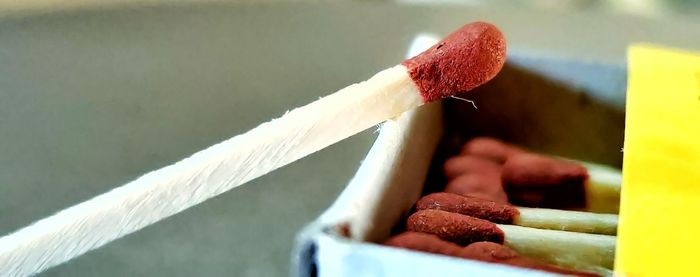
[(457, 228), (466, 59), (534, 169), (471, 206)]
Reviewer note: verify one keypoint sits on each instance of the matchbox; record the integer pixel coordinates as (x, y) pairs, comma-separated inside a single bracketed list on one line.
[(557, 106)]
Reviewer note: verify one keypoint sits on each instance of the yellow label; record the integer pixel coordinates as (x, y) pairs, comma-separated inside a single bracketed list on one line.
[(659, 231)]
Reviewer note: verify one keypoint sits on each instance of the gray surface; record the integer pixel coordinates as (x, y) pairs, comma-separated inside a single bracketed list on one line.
[(90, 100)]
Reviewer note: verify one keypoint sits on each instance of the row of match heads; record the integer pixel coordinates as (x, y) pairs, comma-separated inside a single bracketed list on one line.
[(474, 217), (494, 170)]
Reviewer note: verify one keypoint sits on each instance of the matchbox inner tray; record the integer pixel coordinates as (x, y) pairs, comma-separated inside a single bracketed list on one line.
[(557, 106)]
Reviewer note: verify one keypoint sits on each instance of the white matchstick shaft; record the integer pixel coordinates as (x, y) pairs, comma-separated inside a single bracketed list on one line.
[(572, 221), (580, 251), (208, 173), (603, 188)]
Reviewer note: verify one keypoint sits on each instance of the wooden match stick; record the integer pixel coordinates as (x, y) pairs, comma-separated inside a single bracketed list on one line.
[(603, 188), (465, 59), (481, 251), (601, 184), (580, 251), (592, 187), (562, 220)]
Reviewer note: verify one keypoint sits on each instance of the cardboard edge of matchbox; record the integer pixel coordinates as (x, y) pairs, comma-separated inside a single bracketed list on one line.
[(342, 241)]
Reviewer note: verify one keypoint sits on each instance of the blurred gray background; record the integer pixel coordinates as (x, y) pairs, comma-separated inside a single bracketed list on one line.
[(93, 94)]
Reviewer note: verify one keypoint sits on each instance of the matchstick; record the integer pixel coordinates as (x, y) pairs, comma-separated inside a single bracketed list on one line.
[(562, 220), (481, 251), (601, 184), (465, 59), (580, 251), (591, 187)]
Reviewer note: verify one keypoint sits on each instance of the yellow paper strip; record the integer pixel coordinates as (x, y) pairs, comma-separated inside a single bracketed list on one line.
[(659, 231)]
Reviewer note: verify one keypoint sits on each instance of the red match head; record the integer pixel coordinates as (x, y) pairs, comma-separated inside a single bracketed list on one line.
[(453, 227), (471, 206), (465, 59)]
